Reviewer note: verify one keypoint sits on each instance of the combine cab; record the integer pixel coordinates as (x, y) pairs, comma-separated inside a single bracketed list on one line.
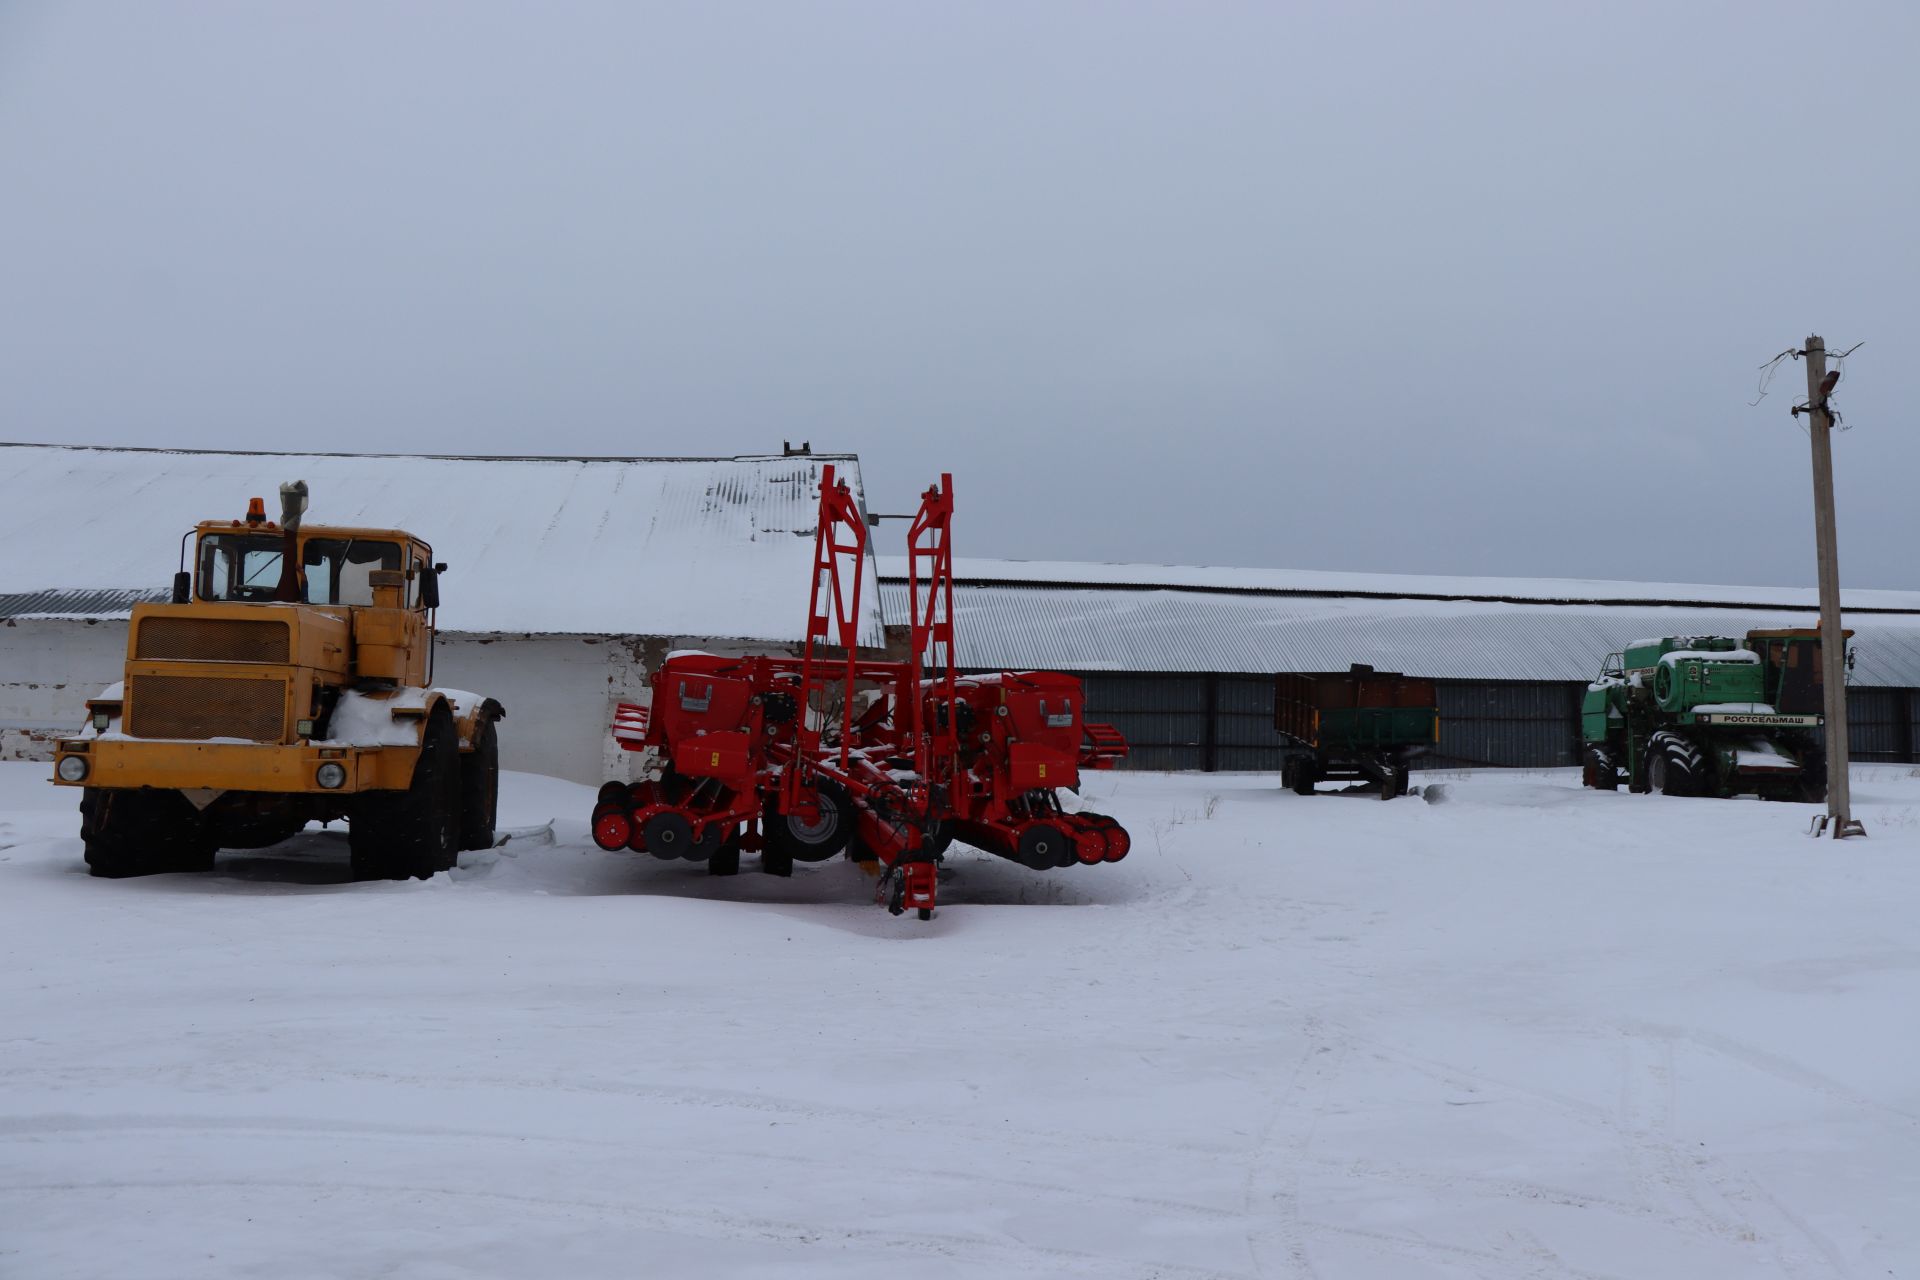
[(289, 681), (1709, 716), (802, 758)]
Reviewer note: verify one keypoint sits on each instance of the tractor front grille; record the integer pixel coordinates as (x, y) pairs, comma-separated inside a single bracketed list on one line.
[(202, 707), (256, 640)]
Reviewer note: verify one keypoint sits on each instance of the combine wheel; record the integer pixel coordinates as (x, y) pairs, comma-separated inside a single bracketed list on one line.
[(1597, 771), (392, 835), (138, 833), (667, 835), (480, 789), (1813, 777), (1673, 767), (799, 840), (1042, 845)]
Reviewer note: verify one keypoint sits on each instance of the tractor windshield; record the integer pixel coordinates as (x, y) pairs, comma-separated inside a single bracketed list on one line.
[(246, 566)]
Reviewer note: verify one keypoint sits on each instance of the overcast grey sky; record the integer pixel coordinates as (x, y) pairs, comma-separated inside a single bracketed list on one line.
[(1454, 288)]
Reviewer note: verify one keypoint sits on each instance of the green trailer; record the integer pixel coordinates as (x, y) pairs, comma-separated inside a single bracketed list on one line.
[(1709, 716), (1359, 724)]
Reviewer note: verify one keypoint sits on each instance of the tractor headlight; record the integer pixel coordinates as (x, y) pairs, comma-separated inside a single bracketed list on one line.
[(72, 768), (331, 775)]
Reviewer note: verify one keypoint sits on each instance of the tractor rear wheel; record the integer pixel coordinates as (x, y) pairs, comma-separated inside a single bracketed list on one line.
[(393, 835), (480, 788), (139, 833), (815, 841)]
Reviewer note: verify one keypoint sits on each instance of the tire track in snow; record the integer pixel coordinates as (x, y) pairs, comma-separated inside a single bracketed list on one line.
[(1273, 1168), (38, 1128), (708, 1224)]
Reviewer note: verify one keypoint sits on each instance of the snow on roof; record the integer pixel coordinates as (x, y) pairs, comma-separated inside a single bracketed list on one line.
[(1094, 628), (1318, 582), (701, 547)]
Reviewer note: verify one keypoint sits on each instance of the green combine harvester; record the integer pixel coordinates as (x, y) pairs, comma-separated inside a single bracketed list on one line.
[(1709, 716)]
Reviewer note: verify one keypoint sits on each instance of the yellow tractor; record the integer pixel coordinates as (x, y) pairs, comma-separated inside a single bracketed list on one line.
[(289, 681)]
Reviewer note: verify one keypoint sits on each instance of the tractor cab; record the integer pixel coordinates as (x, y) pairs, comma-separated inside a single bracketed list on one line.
[(333, 567)]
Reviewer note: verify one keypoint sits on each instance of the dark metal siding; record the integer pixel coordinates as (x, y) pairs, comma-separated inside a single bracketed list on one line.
[(1511, 724), (1225, 722)]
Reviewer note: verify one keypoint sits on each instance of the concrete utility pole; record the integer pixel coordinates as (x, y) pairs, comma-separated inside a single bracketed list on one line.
[(1833, 673)]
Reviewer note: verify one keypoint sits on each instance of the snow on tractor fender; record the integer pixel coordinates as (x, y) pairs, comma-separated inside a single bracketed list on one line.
[(397, 718)]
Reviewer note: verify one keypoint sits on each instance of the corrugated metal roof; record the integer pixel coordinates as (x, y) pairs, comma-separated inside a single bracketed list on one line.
[(1398, 586), (1104, 629), (74, 604), (694, 547)]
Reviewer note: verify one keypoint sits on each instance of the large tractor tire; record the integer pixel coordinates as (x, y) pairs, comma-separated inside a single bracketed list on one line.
[(480, 789), (1306, 772), (1813, 776), (1674, 766), (790, 837), (1597, 770), (139, 833), (392, 835)]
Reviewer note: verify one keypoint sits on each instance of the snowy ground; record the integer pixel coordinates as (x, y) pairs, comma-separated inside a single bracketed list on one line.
[(1529, 1030)]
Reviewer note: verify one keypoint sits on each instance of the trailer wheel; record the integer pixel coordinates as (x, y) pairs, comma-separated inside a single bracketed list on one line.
[(1305, 774), (480, 789), (393, 835), (816, 841), (139, 833)]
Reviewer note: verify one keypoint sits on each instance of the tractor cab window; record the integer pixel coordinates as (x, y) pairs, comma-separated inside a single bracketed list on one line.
[(340, 570), (239, 566), (246, 566)]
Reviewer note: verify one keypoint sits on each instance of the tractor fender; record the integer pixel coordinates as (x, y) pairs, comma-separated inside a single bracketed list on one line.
[(398, 717), (470, 711)]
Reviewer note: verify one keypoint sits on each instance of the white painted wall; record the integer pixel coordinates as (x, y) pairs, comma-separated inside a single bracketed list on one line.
[(49, 667), (559, 691)]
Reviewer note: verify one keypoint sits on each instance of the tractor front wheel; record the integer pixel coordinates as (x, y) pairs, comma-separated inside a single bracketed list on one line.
[(393, 835), (139, 833)]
